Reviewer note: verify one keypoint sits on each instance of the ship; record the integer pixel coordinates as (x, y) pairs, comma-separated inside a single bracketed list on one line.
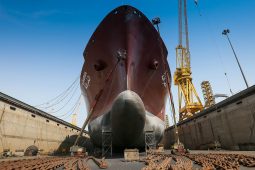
[(123, 79)]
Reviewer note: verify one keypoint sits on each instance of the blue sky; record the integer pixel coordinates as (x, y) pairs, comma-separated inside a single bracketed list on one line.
[(41, 43)]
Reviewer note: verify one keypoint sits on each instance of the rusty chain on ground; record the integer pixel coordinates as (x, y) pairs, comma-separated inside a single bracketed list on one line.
[(153, 161), (222, 161), (51, 163), (160, 161), (45, 163)]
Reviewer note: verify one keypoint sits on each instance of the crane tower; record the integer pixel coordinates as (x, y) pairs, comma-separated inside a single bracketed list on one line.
[(189, 102)]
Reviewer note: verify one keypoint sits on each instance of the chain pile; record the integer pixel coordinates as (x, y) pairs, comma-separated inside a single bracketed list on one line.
[(222, 161), (46, 163), (161, 161), (182, 163), (158, 161)]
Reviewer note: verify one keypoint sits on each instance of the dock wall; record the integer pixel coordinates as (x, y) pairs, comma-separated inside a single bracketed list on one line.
[(23, 127), (230, 123)]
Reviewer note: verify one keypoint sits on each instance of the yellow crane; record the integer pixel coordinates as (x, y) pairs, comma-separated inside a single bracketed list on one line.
[(189, 102)]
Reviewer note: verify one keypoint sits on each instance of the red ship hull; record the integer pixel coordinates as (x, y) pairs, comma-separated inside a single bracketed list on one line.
[(127, 51)]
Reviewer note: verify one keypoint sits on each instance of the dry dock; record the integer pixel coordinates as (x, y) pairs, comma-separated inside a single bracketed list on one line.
[(229, 124)]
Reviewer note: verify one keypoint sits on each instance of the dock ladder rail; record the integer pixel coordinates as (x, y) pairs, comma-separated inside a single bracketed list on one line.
[(106, 141), (150, 142)]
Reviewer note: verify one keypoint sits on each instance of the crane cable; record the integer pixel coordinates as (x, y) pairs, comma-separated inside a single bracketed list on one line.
[(198, 7), (60, 99), (63, 98), (66, 102), (217, 48), (70, 112), (58, 96)]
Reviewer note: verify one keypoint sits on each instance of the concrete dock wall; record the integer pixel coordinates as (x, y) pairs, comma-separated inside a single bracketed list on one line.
[(22, 128), (230, 123)]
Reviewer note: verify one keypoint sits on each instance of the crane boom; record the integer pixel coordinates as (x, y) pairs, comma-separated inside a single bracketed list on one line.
[(189, 102)]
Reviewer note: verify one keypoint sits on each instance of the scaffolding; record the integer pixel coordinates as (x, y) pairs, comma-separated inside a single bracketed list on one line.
[(150, 142), (208, 94), (106, 142)]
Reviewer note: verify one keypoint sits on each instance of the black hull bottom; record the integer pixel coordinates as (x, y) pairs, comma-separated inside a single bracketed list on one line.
[(127, 121)]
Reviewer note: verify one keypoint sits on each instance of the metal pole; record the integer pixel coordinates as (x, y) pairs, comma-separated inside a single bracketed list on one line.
[(158, 28), (225, 32), (186, 25), (82, 130), (174, 116), (156, 21), (180, 21)]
